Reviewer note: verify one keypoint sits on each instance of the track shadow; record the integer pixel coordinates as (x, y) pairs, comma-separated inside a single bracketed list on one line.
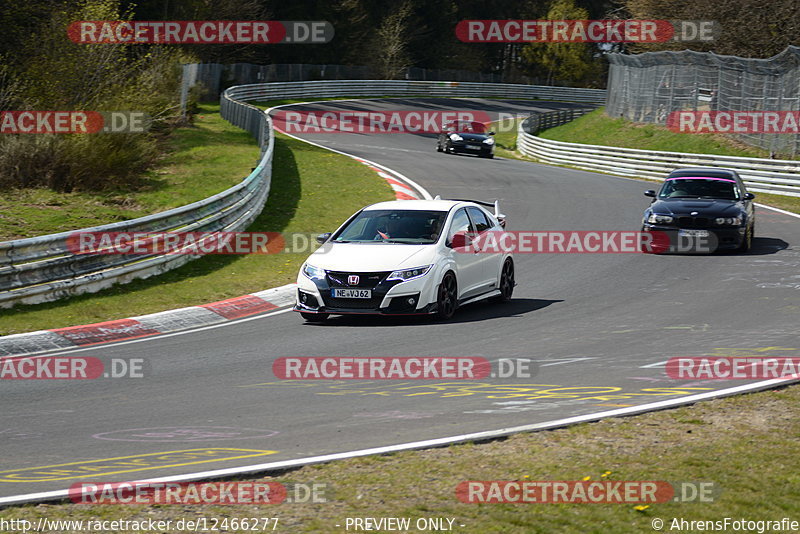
[(762, 246), (478, 311)]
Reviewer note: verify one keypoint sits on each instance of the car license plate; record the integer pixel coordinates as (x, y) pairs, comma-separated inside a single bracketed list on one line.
[(352, 293), (473, 147), (693, 233)]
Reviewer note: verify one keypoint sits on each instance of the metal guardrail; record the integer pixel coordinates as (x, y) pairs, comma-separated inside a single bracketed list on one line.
[(550, 119), (42, 269), (779, 177), (334, 88)]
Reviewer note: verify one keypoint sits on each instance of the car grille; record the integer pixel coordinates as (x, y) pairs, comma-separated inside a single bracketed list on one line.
[(693, 222), (356, 304), (365, 281)]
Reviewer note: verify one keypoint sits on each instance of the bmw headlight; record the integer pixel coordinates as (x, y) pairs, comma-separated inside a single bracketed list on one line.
[(456, 137), (730, 221), (314, 273), (409, 274), (655, 218), (489, 141)]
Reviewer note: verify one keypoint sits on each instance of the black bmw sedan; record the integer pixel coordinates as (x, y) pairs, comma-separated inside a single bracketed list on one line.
[(702, 209), (466, 137)]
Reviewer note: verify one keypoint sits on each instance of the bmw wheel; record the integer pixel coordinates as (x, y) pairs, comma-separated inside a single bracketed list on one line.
[(747, 240), (447, 298)]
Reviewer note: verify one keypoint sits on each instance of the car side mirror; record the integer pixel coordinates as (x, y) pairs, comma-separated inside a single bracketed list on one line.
[(749, 196), (650, 193), (460, 240), (491, 133), (323, 237)]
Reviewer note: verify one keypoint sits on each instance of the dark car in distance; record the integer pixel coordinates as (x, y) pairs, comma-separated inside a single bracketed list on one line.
[(703, 203), (466, 137)]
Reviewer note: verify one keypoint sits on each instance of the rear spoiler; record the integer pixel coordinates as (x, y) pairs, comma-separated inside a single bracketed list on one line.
[(496, 205)]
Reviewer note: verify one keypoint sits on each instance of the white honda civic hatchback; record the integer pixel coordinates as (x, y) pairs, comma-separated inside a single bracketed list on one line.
[(405, 257)]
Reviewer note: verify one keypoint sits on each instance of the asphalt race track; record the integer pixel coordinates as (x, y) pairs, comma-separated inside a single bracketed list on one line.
[(598, 325)]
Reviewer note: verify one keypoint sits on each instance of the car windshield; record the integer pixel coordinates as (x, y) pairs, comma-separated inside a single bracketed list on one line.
[(393, 226), (473, 127), (699, 187)]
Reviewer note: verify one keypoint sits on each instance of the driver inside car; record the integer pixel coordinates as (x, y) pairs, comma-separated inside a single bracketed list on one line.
[(388, 229)]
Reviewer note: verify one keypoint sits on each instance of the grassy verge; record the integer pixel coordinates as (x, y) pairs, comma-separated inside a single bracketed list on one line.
[(745, 445), (200, 160), (313, 190), (597, 128), (506, 140)]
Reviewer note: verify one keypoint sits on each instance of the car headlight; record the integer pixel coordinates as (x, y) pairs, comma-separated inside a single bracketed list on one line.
[(655, 218), (314, 273), (489, 141), (733, 221), (409, 274), (456, 137)]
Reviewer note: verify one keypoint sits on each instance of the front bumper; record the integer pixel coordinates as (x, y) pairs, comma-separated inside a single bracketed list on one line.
[(413, 297), (722, 238), (426, 310), (462, 147)]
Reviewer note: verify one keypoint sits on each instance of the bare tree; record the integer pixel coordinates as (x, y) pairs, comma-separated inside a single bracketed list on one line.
[(390, 45), (749, 28)]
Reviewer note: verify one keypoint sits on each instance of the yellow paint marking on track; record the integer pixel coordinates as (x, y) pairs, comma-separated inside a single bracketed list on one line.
[(127, 464)]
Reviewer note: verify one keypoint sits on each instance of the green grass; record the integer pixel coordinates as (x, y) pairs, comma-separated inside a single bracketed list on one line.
[(779, 201), (746, 445), (597, 128), (506, 139), (200, 160), (313, 190)]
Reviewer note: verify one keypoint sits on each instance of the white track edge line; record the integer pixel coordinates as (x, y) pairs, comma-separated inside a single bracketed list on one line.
[(777, 209)]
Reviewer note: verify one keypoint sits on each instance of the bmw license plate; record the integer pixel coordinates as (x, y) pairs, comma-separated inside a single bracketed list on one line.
[(339, 293), (693, 233), (473, 147)]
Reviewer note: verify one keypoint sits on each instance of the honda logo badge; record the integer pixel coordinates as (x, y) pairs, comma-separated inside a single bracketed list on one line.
[(352, 280)]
